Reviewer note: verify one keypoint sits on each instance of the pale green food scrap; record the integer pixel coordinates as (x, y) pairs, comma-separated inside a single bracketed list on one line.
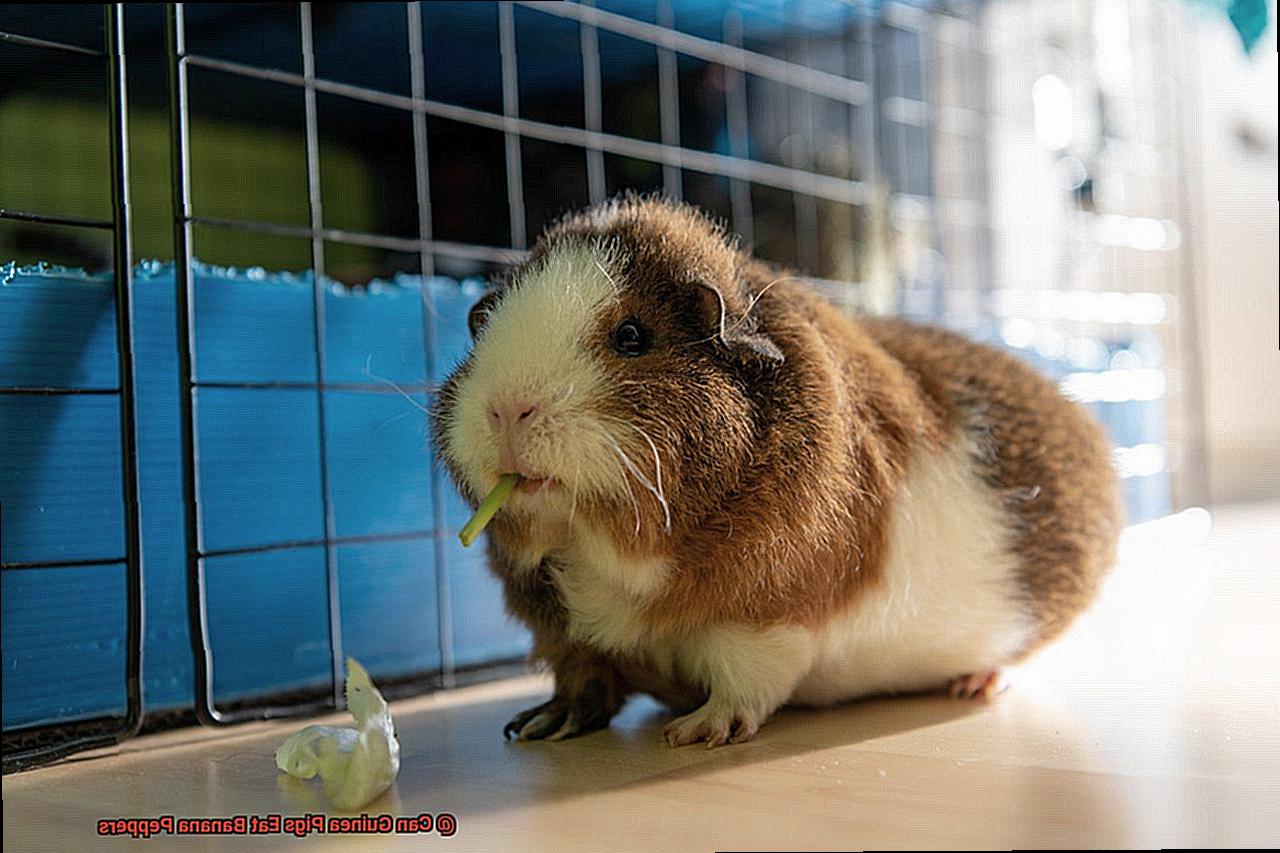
[(356, 764)]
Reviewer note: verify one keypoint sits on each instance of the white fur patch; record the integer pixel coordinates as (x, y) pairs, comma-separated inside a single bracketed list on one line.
[(750, 670), (947, 604), (604, 592), (533, 346)]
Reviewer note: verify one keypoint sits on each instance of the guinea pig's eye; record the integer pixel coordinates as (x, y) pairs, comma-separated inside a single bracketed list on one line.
[(631, 338)]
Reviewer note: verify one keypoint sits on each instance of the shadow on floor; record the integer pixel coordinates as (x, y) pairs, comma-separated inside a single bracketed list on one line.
[(455, 759)]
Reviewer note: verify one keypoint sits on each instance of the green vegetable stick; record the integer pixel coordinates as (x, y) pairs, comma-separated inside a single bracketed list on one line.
[(488, 508)]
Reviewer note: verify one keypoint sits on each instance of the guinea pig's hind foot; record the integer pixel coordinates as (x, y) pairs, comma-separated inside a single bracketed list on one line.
[(977, 685), (560, 718)]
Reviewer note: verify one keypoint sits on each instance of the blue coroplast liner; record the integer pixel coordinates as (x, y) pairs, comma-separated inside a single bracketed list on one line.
[(63, 628)]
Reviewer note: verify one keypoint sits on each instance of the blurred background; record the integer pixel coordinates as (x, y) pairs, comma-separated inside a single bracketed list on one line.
[(1090, 183)]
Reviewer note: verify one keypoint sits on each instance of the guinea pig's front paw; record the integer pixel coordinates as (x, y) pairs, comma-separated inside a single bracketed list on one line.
[(558, 719), (715, 722)]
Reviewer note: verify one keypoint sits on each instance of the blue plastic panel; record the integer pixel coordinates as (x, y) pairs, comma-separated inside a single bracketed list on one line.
[(253, 326), (64, 654), (379, 463), (78, 351), (268, 622), (259, 467), (60, 478), (167, 658), (390, 612), (376, 334), (482, 630)]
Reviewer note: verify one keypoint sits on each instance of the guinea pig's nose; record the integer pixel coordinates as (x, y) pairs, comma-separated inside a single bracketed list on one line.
[(506, 414)]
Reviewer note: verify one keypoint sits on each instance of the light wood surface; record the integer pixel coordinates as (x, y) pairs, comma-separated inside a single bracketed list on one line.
[(1155, 722)]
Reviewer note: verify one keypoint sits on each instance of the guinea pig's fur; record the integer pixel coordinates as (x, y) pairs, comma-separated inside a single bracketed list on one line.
[(774, 502)]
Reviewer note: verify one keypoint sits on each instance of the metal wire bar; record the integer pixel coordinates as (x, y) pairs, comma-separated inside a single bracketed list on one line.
[(362, 387), (421, 160), (593, 107), (926, 47), (315, 204), (61, 564), (510, 115), (669, 105), (739, 133), (48, 392), (360, 539), (422, 191), (359, 238), (871, 162), (184, 298), (113, 33), (43, 219), (805, 207), (31, 41), (905, 15)]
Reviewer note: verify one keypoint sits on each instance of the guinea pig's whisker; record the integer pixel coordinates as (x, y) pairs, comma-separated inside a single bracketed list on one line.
[(635, 470), (389, 421), (644, 481), (367, 372), (566, 395), (635, 507), (657, 468), (600, 266), (751, 307), (745, 314)]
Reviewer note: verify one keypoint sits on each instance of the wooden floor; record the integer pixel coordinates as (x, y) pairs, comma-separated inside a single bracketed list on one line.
[(1156, 722)]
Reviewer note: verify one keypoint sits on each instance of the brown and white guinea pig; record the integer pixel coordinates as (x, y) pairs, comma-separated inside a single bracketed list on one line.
[(736, 496)]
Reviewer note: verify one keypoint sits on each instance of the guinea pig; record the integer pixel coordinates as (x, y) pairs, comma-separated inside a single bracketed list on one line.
[(734, 495)]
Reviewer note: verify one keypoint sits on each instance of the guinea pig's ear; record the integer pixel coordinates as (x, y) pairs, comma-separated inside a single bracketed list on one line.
[(479, 313), (738, 332)]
